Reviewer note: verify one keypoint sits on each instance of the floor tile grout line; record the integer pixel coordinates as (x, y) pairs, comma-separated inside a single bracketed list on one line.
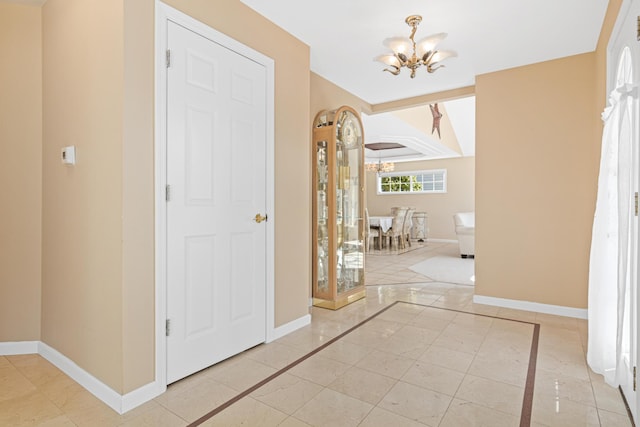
[(466, 372), (296, 362)]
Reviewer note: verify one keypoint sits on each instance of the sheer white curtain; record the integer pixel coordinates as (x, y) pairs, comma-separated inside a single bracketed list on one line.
[(609, 269)]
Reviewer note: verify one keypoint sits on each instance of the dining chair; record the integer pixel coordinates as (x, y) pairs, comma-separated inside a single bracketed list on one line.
[(406, 226), (394, 234), (372, 232), (395, 208)]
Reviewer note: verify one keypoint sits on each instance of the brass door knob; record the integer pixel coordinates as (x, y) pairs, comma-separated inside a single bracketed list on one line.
[(259, 218)]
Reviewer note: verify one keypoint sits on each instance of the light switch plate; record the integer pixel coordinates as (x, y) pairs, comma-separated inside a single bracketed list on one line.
[(68, 155)]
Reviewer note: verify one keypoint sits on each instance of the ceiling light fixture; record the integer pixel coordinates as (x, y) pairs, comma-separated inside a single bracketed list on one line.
[(408, 53), (380, 167)]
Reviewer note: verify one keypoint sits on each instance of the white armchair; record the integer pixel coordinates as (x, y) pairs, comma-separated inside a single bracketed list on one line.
[(465, 223)]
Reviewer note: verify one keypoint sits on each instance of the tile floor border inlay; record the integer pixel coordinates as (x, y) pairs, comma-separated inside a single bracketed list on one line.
[(527, 400), (527, 404), (626, 406)]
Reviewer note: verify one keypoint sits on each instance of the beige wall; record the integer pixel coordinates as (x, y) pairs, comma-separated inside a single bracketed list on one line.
[(138, 228), (537, 150), (535, 181), (98, 243), (20, 171), (82, 290), (327, 96), (460, 195)]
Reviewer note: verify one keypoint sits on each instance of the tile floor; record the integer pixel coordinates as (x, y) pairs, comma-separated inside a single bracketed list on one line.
[(436, 360)]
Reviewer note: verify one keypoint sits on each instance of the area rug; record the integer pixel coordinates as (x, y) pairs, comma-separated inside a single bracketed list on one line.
[(447, 269)]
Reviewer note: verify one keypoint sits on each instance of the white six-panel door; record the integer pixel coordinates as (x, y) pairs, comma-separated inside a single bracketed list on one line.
[(216, 280), (624, 66)]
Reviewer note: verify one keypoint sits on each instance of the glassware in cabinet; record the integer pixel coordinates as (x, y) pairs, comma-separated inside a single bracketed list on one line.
[(338, 252)]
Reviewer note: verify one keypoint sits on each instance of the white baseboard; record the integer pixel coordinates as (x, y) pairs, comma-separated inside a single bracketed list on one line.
[(287, 328), (558, 310), (82, 377), (19, 347), (117, 402), (141, 395)]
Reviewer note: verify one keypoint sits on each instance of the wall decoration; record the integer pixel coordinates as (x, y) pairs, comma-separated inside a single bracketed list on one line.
[(437, 115)]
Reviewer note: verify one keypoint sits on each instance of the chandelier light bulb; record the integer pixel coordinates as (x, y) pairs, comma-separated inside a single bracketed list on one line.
[(389, 59), (398, 44), (429, 43)]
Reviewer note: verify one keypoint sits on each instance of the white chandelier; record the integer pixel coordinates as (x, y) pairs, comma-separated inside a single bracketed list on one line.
[(408, 53)]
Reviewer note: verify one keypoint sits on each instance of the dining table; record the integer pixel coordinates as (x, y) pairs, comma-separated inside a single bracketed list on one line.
[(384, 222)]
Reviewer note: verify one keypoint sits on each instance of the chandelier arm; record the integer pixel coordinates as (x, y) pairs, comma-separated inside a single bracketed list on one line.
[(431, 68), (395, 71), (426, 58)]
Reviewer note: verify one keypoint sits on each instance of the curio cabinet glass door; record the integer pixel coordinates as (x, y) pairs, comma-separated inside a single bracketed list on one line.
[(338, 208)]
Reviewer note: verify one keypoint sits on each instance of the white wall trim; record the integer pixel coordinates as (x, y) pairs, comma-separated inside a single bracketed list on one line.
[(141, 395), (558, 310), (287, 328), (160, 179), (13, 348), (82, 377), (164, 14), (117, 402)]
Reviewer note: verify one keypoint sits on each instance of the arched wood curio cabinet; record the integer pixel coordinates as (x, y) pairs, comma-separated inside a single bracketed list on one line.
[(338, 208)]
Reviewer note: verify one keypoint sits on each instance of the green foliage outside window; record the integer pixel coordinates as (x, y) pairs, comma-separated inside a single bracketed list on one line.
[(426, 181), (399, 184)]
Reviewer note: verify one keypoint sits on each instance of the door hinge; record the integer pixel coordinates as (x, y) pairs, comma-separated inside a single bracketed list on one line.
[(167, 193), (636, 203), (168, 58), (167, 327), (634, 378)]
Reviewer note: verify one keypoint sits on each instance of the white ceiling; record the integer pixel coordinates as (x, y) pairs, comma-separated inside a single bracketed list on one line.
[(489, 35), (462, 114)]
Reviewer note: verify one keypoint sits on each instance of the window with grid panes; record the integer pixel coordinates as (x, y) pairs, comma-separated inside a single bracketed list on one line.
[(417, 182)]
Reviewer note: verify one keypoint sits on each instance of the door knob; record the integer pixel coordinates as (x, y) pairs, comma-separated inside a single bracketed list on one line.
[(259, 218)]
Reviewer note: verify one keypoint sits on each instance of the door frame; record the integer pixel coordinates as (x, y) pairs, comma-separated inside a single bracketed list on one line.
[(163, 14)]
